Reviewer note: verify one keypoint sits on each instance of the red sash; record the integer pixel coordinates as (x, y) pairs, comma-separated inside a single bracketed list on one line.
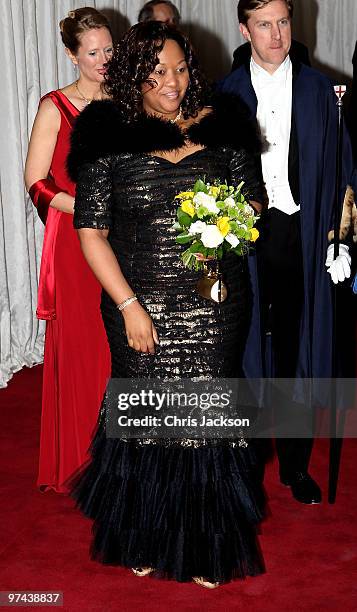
[(46, 305)]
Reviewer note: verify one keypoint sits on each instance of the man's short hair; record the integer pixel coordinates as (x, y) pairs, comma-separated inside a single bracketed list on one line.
[(246, 6), (147, 12)]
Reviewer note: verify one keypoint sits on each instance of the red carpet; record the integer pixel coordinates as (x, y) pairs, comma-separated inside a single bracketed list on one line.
[(310, 552)]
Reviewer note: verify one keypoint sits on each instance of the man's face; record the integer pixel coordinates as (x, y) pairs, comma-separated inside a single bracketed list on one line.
[(269, 31), (162, 12)]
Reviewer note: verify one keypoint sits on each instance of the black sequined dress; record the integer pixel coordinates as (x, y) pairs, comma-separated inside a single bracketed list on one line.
[(183, 510)]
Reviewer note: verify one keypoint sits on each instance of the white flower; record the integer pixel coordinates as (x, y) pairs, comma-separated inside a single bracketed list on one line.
[(232, 239), (230, 202), (211, 237), (243, 226), (209, 202), (197, 227), (248, 211)]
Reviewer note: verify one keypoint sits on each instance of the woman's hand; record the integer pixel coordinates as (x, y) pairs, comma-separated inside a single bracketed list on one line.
[(140, 330)]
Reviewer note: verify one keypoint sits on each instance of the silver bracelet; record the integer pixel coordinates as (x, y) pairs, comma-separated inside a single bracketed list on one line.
[(126, 302)]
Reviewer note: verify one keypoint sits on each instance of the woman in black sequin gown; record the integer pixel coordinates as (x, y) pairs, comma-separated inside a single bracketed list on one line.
[(185, 511)]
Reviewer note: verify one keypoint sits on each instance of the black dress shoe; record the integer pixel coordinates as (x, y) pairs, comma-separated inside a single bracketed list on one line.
[(303, 487)]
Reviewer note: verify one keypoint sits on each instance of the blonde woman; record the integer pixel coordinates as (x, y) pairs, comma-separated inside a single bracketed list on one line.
[(77, 361)]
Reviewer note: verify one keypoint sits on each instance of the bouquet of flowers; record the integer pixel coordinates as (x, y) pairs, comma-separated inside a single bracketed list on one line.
[(213, 220)]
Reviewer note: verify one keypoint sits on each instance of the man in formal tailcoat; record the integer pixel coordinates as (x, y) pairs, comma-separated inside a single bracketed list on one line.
[(296, 109)]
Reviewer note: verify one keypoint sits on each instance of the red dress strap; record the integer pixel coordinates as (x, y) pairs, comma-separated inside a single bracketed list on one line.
[(66, 108)]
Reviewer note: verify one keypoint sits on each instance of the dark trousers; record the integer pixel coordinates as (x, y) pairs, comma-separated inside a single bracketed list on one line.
[(281, 281)]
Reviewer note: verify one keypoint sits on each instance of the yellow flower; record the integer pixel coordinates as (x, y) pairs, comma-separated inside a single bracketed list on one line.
[(254, 234), (223, 225), (214, 191), (184, 195), (188, 208)]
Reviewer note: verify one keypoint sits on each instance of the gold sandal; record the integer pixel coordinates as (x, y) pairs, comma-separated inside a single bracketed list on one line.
[(205, 583), (142, 571)]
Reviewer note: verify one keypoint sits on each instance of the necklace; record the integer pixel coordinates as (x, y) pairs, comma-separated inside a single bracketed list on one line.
[(178, 117), (86, 100)]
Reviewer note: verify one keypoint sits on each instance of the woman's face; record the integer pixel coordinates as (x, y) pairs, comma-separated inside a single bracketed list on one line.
[(172, 78), (94, 52)]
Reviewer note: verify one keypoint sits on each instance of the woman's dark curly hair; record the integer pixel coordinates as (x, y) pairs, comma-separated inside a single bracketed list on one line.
[(135, 58)]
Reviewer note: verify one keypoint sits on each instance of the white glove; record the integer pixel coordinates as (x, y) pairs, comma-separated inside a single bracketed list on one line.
[(339, 268)]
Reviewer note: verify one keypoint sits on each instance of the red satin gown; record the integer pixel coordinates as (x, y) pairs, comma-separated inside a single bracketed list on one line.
[(77, 358)]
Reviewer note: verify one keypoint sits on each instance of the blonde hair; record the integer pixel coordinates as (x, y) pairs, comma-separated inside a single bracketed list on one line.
[(79, 21)]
